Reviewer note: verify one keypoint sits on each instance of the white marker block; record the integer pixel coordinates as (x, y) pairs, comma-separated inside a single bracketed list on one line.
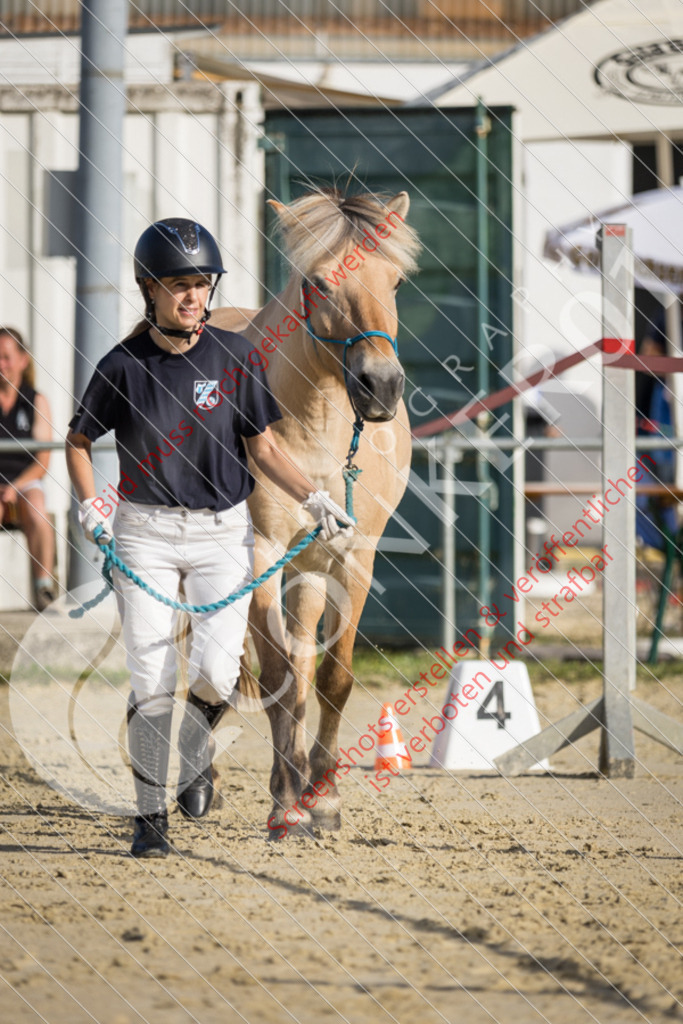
[(500, 716)]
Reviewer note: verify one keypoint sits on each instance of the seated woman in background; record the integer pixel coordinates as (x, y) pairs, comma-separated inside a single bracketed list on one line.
[(25, 415)]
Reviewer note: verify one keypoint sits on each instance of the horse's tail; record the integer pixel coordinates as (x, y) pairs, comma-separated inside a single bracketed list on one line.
[(248, 685)]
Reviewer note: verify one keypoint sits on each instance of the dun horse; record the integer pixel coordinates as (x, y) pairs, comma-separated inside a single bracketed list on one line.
[(348, 256)]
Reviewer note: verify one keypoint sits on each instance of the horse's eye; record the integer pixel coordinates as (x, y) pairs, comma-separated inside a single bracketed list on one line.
[(318, 283), (400, 281)]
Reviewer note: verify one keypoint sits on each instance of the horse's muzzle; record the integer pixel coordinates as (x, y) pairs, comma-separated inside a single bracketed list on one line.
[(376, 391)]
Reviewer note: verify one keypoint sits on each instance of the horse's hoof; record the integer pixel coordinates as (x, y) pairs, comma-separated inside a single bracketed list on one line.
[(302, 830), (278, 828), (330, 821)]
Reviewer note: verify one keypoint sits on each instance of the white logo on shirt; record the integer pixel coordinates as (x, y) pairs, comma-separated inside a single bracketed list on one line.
[(206, 394), (22, 420)]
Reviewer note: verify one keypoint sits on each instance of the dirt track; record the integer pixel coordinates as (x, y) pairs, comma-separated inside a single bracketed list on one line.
[(444, 899)]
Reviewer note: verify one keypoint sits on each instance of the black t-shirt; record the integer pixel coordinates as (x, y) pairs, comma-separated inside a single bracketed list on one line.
[(17, 425), (179, 419)]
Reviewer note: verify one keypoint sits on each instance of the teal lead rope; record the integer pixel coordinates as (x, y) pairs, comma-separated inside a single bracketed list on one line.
[(112, 560)]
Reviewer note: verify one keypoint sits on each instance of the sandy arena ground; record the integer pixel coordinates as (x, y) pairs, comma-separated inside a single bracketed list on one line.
[(444, 898)]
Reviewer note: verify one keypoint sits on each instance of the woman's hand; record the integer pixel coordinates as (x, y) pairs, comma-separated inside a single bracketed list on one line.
[(330, 516), (79, 464), (90, 517)]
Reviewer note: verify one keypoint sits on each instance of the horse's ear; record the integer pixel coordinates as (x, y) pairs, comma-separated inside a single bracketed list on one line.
[(281, 210), (400, 204)]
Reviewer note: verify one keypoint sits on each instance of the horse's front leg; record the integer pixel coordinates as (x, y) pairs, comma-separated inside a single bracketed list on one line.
[(305, 605), (333, 685), (278, 692)]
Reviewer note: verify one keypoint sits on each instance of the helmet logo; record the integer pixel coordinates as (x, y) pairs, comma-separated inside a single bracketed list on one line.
[(176, 247), (206, 395), (186, 232)]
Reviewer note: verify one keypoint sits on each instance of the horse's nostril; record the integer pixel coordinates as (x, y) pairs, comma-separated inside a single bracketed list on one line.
[(383, 389)]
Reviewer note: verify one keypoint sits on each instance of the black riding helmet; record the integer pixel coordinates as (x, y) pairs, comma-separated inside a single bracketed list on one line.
[(169, 248)]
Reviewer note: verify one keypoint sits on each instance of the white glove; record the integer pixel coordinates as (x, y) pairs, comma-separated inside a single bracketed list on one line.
[(89, 516), (326, 513)]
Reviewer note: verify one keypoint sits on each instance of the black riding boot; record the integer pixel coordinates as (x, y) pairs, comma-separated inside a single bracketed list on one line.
[(195, 782), (148, 742)]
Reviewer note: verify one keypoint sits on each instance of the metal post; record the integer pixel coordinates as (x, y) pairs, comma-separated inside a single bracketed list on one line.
[(99, 195), (617, 712), (448, 634), (617, 755), (483, 127)]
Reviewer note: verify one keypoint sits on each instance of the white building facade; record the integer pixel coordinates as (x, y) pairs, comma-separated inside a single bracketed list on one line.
[(190, 148)]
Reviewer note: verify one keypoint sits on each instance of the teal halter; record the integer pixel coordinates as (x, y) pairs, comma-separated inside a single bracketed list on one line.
[(348, 342), (350, 472)]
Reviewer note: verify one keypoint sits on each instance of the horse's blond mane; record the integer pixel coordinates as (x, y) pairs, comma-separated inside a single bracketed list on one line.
[(327, 222)]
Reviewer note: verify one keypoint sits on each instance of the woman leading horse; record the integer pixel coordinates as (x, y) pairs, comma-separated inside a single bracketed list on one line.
[(182, 443)]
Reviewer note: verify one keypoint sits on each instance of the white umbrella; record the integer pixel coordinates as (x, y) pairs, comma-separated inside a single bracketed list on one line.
[(656, 219)]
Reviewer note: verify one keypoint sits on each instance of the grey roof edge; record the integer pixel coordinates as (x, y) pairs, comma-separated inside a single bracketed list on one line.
[(430, 97)]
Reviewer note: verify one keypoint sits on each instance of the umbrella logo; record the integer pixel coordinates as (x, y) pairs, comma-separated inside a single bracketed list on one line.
[(651, 73)]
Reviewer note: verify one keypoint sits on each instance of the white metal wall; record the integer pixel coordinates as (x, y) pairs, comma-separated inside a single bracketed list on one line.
[(190, 149)]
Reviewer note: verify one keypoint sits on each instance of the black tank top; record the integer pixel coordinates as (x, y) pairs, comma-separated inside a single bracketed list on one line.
[(17, 425)]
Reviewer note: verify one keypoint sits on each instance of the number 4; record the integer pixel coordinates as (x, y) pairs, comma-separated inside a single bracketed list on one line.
[(500, 714)]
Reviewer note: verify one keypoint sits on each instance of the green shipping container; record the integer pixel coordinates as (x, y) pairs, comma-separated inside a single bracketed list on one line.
[(460, 305)]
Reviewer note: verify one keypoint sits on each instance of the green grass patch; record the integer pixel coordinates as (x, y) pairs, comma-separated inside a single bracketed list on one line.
[(576, 671), (32, 673), (551, 669), (378, 668)]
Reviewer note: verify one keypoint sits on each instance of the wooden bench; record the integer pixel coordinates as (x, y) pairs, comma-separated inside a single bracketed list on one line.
[(16, 585), (546, 490)]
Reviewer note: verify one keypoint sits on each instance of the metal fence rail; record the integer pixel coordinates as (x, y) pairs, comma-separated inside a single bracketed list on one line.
[(646, 444)]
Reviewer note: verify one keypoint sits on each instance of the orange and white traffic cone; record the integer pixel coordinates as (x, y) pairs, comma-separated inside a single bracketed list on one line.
[(391, 750)]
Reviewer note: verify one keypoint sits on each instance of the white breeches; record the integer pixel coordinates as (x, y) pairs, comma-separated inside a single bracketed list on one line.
[(212, 554)]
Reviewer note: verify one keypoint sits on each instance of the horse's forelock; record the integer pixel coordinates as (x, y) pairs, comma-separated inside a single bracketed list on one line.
[(326, 222)]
